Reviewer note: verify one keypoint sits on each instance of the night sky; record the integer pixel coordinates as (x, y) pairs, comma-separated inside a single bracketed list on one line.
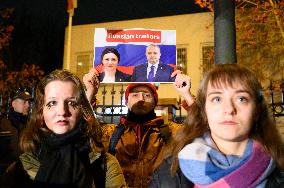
[(38, 37)]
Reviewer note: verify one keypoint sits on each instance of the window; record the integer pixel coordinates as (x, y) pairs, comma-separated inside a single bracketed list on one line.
[(182, 59), (207, 57), (83, 64)]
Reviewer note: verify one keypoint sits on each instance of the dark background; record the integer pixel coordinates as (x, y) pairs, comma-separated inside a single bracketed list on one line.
[(38, 37)]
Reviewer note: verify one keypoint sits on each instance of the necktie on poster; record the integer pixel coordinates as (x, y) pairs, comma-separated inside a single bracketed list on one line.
[(151, 74)]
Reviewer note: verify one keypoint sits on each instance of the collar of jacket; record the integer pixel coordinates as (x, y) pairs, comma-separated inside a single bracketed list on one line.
[(154, 123)]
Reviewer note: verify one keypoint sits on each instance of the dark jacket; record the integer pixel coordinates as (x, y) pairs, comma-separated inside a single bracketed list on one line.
[(18, 120), (162, 178), (22, 173), (119, 76), (163, 73), (10, 129)]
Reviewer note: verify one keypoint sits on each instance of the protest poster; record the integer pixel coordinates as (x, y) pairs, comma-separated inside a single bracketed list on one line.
[(127, 55)]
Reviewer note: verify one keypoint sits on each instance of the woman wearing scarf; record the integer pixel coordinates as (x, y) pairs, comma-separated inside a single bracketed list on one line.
[(229, 140), (62, 142)]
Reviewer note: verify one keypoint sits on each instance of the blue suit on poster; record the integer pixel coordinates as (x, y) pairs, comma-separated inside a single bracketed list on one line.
[(163, 73)]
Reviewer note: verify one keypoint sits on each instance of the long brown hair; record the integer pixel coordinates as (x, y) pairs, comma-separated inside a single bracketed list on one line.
[(30, 138), (264, 129)]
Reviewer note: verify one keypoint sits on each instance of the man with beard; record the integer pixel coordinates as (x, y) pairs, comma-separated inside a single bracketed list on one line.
[(12, 125), (140, 136)]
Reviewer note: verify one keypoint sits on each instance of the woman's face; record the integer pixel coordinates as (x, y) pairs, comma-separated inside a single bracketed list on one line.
[(61, 110), (110, 62), (230, 112)]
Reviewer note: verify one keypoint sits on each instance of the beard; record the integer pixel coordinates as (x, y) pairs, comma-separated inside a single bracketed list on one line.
[(142, 108)]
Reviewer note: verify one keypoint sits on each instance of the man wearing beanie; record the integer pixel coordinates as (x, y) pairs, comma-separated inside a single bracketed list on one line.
[(141, 139), (140, 136)]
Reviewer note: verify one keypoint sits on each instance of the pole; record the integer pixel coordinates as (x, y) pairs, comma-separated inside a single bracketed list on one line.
[(71, 5), (224, 32), (68, 53)]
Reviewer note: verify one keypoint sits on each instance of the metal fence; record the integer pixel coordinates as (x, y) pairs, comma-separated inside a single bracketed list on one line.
[(109, 111)]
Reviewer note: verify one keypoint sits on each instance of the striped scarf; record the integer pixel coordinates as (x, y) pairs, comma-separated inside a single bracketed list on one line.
[(207, 167)]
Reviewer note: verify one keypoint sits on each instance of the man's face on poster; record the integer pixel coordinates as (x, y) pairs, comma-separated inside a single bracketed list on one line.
[(153, 54)]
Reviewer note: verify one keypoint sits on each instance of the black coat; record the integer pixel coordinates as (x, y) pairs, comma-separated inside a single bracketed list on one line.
[(10, 130), (162, 177)]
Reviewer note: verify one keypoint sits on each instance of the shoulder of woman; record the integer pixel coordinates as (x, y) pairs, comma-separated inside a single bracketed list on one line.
[(114, 174), (276, 178), (112, 162), (162, 176), (122, 76), (30, 164), (101, 76)]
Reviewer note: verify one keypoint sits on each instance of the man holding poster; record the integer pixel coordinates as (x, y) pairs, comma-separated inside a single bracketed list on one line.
[(154, 70)]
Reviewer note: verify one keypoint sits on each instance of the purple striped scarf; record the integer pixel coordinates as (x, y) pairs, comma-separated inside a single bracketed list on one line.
[(206, 167)]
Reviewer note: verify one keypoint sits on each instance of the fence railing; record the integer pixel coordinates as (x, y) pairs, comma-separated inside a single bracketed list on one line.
[(111, 105)]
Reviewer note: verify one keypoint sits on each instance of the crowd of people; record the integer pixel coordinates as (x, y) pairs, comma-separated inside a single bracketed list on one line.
[(229, 138)]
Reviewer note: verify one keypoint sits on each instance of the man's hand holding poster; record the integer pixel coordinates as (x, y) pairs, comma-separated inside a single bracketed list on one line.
[(135, 55)]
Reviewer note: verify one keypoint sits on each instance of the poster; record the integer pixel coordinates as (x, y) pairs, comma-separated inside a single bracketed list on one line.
[(135, 55)]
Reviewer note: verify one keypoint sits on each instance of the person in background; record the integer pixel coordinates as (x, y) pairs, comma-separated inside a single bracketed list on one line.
[(110, 58), (229, 138), (153, 70), (62, 141), (140, 136), (20, 106), (12, 125)]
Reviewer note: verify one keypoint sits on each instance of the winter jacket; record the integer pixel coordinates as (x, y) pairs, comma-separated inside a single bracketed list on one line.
[(138, 147), (22, 173), (10, 129)]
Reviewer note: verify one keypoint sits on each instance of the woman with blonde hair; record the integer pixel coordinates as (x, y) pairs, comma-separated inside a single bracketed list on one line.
[(62, 142), (229, 138)]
